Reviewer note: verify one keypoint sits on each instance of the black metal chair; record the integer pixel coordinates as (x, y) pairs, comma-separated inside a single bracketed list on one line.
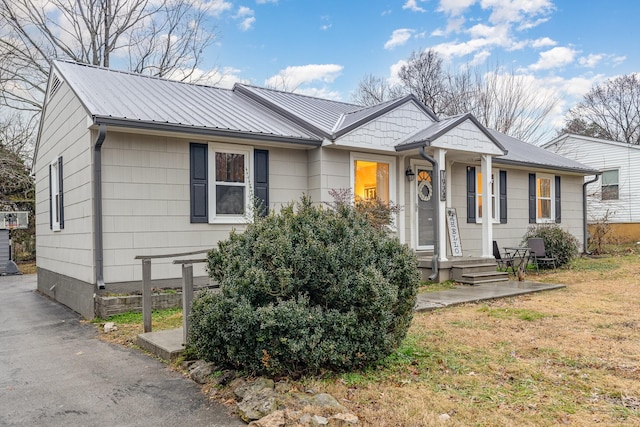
[(538, 254), (505, 262)]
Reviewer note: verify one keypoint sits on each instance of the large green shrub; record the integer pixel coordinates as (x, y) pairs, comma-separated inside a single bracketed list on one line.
[(557, 242), (306, 290)]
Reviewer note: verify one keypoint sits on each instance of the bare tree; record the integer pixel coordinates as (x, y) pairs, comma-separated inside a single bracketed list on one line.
[(17, 133), (160, 38), (610, 110), (374, 90), (507, 102)]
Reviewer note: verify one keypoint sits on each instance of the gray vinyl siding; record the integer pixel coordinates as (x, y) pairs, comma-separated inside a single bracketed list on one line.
[(607, 155), (65, 133), (146, 206)]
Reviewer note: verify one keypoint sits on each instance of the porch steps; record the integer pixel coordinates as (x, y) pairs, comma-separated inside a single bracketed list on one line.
[(474, 274)]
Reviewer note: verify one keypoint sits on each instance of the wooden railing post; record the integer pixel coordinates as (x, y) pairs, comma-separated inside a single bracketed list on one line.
[(187, 298), (146, 295)]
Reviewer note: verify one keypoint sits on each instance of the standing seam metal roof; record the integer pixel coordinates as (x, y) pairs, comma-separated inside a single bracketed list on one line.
[(137, 98)]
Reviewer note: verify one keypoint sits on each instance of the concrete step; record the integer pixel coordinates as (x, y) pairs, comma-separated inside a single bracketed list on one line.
[(486, 277), (463, 272), (165, 344)]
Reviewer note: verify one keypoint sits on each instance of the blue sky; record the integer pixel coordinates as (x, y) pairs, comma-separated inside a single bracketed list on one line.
[(324, 48)]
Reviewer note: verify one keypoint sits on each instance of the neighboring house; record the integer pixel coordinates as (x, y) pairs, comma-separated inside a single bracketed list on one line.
[(615, 197), (130, 165)]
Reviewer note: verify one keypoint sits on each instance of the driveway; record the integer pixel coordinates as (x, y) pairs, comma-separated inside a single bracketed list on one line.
[(55, 372)]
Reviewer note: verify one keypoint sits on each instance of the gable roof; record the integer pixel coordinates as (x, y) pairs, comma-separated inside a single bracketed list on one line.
[(436, 130), (521, 153), (132, 100), (606, 142)]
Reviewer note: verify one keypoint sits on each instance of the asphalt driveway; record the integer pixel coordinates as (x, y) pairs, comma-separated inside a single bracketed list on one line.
[(55, 372)]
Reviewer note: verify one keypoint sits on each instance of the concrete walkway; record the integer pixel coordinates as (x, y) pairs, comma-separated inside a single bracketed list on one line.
[(481, 292), (55, 372)]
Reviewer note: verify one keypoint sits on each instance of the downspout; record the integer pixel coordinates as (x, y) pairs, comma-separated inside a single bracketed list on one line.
[(436, 211), (584, 214), (97, 206)]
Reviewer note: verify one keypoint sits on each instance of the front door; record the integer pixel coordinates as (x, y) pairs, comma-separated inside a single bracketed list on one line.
[(425, 208)]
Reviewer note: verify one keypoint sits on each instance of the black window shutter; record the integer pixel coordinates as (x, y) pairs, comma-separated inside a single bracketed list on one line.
[(199, 187), (60, 193), (471, 194), (50, 200), (532, 198), (261, 180), (558, 196), (503, 197)]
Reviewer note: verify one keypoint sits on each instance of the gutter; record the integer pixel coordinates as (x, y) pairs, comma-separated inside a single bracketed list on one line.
[(436, 212), (97, 206), (585, 242)]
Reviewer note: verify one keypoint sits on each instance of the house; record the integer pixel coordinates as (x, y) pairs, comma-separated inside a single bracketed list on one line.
[(615, 198), (129, 165)]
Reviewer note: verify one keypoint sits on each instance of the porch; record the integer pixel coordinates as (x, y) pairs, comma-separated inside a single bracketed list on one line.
[(467, 270)]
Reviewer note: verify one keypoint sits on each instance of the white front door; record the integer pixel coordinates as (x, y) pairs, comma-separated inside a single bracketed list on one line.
[(425, 207)]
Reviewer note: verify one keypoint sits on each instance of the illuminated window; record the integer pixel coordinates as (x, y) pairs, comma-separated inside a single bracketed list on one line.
[(371, 180), (544, 198), (494, 201)]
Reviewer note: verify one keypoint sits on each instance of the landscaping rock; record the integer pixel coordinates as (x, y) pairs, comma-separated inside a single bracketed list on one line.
[(110, 327), (201, 371), (443, 418), (258, 384), (257, 404), (225, 377), (274, 419), (317, 421), (342, 420), (320, 399)]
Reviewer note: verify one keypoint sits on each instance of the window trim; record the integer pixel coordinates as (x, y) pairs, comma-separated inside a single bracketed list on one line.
[(494, 196), (247, 151), (390, 160), (551, 199), (56, 195), (617, 185)]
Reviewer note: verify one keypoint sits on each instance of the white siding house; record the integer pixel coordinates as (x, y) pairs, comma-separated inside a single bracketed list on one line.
[(616, 195), (128, 165)]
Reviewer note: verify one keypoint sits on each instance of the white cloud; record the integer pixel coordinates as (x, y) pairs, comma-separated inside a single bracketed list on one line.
[(224, 78), (246, 15), (553, 58), (292, 77), (412, 5), (517, 11), (480, 58), (591, 60), (266, 1), (398, 38), (323, 93), (394, 70), (325, 27), (216, 7), (543, 42), (617, 60), (455, 7)]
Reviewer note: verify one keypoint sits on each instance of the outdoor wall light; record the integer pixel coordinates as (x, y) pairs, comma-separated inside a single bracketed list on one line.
[(409, 174)]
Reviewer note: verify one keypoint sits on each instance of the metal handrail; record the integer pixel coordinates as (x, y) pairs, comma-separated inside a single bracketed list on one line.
[(187, 268)]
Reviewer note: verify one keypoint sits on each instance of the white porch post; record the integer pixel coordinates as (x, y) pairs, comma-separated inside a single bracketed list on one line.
[(487, 207), (439, 156), (401, 189)]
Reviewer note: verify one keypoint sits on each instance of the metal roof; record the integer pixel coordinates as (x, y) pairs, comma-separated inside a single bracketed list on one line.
[(121, 98), (522, 153), (321, 114)]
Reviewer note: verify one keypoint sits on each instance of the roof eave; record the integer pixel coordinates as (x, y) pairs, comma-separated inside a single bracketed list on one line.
[(543, 166), (197, 130)]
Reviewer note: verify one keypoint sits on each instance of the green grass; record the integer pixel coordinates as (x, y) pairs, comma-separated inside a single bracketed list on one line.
[(434, 287), (601, 264), (507, 313), (160, 316)]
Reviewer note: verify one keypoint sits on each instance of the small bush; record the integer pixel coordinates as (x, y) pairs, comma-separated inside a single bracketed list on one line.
[(306, 290), (557, 242)]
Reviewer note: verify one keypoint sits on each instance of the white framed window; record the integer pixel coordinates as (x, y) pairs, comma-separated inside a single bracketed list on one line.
[(372, 177), (230, 172), (545, 210), (610, 185), (495, 201), (56, 203)]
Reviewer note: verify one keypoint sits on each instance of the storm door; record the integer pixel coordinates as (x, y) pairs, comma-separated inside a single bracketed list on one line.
[(425, 208)]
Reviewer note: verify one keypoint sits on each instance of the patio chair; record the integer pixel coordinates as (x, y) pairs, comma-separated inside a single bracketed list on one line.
[(505, 262), (538, 254)]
